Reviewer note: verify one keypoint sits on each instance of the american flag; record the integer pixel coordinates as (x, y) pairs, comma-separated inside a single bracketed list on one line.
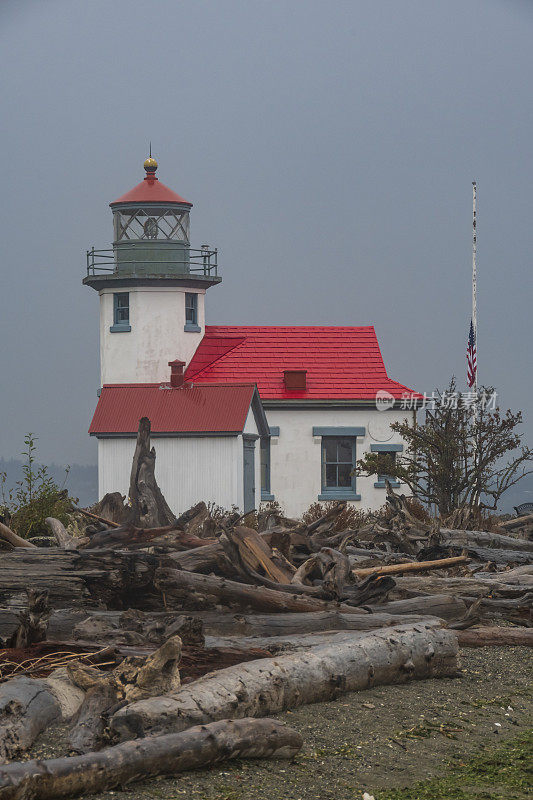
[(471, 358)]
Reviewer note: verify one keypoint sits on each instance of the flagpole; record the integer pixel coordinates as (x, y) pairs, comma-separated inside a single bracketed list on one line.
[(474, 323), (474, 276)]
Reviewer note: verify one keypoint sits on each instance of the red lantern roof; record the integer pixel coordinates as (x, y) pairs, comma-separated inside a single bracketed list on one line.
[(150, 190)]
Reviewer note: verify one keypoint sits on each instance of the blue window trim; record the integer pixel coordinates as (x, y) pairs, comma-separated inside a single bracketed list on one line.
[(332, 494), (383, 485), (191, 305), (120, 326), (320, 431), (266, 497), (192, 328), (338, 492)]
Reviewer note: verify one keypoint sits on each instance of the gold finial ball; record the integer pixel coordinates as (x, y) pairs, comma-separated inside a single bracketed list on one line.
[(150, 165)]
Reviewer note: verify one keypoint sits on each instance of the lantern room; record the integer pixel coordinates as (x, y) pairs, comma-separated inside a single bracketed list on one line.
[(151, 235)]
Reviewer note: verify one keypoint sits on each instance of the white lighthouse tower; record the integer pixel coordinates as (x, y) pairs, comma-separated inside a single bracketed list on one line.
[(151, 284)]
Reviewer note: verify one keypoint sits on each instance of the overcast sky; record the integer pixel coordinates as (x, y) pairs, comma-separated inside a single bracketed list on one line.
[(328, 147)]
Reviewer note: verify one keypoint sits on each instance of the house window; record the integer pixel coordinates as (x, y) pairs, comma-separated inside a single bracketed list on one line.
[(265, 469), (191, 312), (338, 463), (338, 449), (121, 312), (387, 454), (386, 462)]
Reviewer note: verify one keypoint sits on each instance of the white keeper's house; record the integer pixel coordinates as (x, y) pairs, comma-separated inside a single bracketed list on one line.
[(239, 414)]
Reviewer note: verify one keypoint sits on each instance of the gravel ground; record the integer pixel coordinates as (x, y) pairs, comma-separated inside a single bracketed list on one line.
[(386, 737)]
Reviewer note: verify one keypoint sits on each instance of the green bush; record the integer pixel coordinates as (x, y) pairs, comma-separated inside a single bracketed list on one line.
[(35, 497)]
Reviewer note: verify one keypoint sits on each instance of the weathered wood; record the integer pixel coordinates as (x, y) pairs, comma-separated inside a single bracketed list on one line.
[(199, 559), (17, 541), (493, 636), (149, 507), (484, 539), (134, 627), (33, 621), (413, 566), (91, 720), (126, 763), (275, 645), (26, 708), (434, 605), (135, 678), (475, 586), (517, 522), (266, 686), (29, 705), (61, 535), (255, 554), (192, 588), (76, 577)]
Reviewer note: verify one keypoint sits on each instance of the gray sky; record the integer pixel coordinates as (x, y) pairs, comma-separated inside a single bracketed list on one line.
[(328, 147)]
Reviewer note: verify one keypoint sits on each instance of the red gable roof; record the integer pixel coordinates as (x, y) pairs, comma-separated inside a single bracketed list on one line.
[(341, 363), (150, 190), (190, 409)]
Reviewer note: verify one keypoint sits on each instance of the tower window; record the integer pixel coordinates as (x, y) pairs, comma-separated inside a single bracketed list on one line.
[(121, 312), (191, 312)]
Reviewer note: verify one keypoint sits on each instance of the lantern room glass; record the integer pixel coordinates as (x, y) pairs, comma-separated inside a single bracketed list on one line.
[(164, 224)]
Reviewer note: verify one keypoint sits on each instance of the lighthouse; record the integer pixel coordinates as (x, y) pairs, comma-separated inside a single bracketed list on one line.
[(240, 414), (151, 284)]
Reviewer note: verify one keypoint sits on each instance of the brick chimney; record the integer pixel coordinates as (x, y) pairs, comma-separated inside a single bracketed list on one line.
[(176, 373)]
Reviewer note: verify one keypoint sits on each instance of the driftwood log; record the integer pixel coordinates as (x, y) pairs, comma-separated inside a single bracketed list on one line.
[(149, 507), (29, 705), (13, 539), (33, 621), (413, 566), (192, 588), (267, 686), (126, 763), (492, 636), (140, 628), (135, 678), (450, 537), (61, 535)]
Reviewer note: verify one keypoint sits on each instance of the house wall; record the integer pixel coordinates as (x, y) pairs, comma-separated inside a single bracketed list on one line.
[(295, 455), (188, 469), (157, 336)]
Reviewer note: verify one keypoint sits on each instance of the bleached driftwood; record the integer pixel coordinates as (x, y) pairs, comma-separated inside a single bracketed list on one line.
[(456, 538), (191, 587), (61, 535), (412, 566), (29, 705), (492, 636), (156, 755), (270, 685), (133, 679), (16, 541)]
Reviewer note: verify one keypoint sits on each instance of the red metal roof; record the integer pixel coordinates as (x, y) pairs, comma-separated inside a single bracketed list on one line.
[(150, 190), (190, 409), (341, 363)]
